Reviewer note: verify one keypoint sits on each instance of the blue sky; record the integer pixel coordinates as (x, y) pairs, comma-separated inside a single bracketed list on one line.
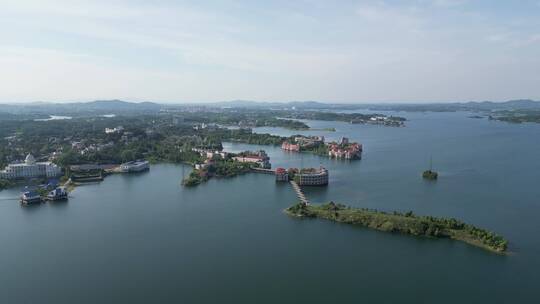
[(333, 51)]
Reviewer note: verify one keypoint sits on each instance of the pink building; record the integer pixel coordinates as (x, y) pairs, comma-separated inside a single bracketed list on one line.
[(346, 151), (290, 147)]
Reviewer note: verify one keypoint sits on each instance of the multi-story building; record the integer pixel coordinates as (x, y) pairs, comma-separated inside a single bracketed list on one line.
[(135, 166), (258, 157), (210, 153), (309, 141), (30, 169), (312, 177), (282, 175), (345, 150), (290, 147), (302, 142)]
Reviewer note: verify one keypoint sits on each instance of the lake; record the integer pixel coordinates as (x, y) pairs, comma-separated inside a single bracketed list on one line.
[(142, 238)]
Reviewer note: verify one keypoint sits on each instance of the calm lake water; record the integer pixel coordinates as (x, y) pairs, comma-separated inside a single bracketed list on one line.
[(144, 239)]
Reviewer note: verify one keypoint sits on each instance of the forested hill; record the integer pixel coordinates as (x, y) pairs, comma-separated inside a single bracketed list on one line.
[(125, 107), (93, 107)]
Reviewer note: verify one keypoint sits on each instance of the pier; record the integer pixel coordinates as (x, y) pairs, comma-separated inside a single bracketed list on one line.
[(296, 186), (264, 171), (299, 193)]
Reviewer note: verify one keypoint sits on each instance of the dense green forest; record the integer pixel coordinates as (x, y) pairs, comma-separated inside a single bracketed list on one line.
[(244, 118), (167, 136), (84, 140)]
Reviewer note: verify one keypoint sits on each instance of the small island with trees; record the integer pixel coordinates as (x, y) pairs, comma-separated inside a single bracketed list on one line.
[(218, 163), (220, 168), (406, 223), (430, 174)]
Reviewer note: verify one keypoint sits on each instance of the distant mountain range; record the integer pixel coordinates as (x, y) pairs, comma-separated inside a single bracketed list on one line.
[(521, 104), (512, 104), (456, 106), (125, 107), (94, 107)]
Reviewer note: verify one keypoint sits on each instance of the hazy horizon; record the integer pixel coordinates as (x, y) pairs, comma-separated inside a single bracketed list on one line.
[(254, 101), (371, 51)]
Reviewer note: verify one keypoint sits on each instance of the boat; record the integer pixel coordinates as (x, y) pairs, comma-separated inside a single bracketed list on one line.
[(135, 166), (57, 194), (430, 174), (30, 197)]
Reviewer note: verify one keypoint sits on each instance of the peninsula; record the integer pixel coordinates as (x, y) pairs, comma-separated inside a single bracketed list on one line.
[(406, 223)]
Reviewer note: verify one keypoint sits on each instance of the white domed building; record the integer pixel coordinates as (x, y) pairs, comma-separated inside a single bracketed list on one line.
[(30, 160), (30, 168)]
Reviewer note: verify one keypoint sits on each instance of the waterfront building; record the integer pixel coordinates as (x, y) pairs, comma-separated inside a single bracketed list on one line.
[(282, 175), (345, 150), (216, 154), (260, 158), (57, 194), (312, 177), (91, 167), (135, 166), (201, 166), (309, 141), (30, 169), (290, 147), (302, 142), (210, 153), (29, 197)]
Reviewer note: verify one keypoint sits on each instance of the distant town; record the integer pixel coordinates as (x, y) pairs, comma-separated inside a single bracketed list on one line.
[(47, 157), (56, 154)]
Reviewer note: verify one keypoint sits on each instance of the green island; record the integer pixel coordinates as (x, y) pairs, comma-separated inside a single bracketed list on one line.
[(219, 168), (354, 118), (517, 116), (430, 174), (406, 223)]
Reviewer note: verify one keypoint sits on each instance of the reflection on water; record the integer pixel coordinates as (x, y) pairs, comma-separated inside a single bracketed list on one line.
[(58, 204), (31, 207)]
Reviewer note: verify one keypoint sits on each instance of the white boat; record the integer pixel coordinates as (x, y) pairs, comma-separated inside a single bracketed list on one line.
[(57, 194), (30, 197), (135, 166)]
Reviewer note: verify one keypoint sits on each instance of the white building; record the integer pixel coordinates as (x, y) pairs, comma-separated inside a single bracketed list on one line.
[(30, 168), (114, 130), (135, 166)]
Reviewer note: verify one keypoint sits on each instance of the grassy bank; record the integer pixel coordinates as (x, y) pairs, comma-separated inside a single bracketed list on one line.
[(4, 183), (406, 223)]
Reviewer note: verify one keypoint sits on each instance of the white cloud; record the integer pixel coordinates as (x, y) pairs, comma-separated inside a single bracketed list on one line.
[(449, 3), (367, 52)]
